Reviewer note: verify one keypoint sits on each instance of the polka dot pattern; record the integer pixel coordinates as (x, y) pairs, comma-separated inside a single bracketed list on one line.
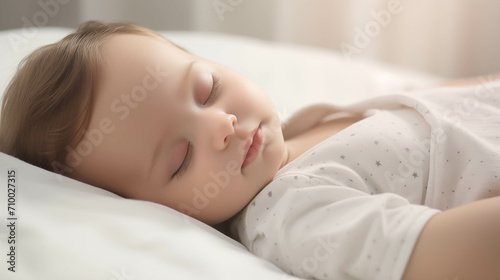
[(353, 206)]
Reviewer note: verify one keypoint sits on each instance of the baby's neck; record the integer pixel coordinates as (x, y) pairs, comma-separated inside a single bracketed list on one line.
[(299, 144)]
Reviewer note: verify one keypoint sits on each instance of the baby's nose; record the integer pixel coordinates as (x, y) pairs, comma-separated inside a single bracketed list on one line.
[(223, 128)]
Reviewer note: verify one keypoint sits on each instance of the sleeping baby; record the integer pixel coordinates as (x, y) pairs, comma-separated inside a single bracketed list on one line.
[(403, 186)]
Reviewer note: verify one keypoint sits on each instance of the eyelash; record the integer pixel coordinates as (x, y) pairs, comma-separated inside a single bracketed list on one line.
[(185, 162), (187, 159), (215, 90)]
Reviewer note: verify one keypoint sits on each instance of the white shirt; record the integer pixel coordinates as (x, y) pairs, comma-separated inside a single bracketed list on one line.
[(353, 206)]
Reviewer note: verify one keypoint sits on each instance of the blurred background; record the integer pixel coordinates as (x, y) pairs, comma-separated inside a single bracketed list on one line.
[(448, 38)]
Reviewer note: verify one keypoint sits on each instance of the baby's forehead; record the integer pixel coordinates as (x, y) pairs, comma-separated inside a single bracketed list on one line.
[(132, 42), (127, 57), (130, 60), (128, 48)]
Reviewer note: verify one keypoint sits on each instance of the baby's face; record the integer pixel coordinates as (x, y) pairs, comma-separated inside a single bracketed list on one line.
[(161, 131)]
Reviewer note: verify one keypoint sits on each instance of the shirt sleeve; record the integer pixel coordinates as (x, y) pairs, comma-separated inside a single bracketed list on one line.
[(333, 232)]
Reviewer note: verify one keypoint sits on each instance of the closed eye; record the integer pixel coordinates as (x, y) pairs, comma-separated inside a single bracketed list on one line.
[(214, 93), (185, 163), (216, 89)]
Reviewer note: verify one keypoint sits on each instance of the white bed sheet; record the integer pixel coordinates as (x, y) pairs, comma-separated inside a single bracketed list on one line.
[(70, 230)]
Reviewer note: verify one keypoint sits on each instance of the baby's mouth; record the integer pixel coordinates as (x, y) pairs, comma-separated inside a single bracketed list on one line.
[(254, 148)]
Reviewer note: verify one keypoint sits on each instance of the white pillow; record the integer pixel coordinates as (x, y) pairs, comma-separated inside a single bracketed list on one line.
[(66, 229)]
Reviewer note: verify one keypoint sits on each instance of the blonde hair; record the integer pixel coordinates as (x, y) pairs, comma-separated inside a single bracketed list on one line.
[(48, 102)]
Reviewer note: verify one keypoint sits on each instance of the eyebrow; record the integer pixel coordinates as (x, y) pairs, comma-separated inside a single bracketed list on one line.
[(159, 147)]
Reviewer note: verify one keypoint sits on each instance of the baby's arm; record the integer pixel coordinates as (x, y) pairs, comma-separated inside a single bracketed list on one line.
[(461, 243)]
